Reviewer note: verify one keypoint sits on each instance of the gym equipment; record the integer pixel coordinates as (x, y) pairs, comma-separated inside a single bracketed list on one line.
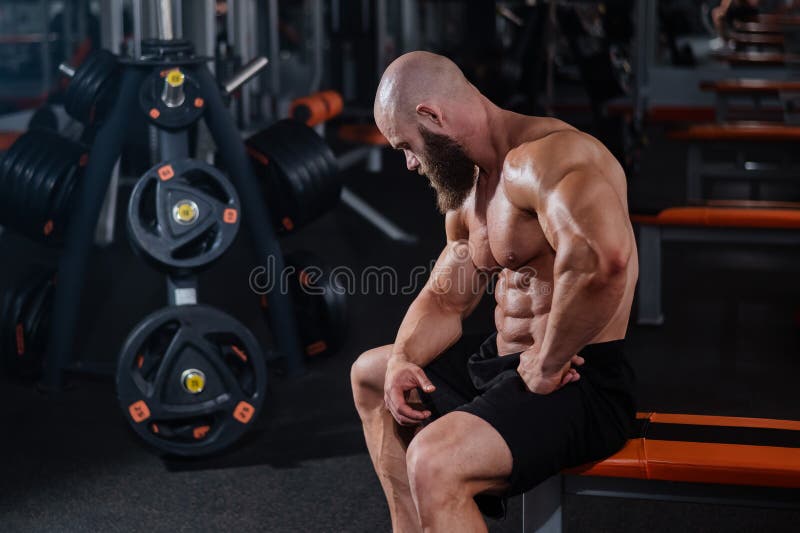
[(298, 172), (163, 54), (24, 324), (316, 108), (191, 380), (38, 175), (183, 215), (92, 86), (163, 95), (320, 304)]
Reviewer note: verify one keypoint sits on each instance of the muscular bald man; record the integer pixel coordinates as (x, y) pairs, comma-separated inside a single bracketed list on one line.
[(453, 424)]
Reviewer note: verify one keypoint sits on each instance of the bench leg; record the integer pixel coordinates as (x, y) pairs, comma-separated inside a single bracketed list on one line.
[(649, 312), (541, 507)]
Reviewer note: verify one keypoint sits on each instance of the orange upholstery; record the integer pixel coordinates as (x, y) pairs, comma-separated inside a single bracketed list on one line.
[(666, 113), (723, 217), (738, 131), (750, 86), (362, 134), (316, 108), (708, 460)]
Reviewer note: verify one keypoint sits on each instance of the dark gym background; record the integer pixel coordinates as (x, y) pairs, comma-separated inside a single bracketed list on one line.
[(729, 345)]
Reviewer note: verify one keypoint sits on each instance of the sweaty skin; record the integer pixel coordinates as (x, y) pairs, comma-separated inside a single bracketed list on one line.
[(530, 200)]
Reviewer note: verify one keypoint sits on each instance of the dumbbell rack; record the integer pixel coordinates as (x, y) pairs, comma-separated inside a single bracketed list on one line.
[(171, 53)]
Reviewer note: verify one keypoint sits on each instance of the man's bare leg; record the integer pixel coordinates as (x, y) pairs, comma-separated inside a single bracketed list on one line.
[(449, 462), (387, 441)]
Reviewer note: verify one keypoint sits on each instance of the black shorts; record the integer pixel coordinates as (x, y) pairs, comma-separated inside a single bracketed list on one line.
[(584, 421)]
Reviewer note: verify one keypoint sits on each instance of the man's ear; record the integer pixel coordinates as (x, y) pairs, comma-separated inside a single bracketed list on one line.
[(432, 113)]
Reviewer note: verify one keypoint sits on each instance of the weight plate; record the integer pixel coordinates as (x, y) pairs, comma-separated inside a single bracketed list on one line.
[(89, 91), (284, 203), (183, 215), (34, 200), (14, 183), (19, 148), (65, 169), (191, 380), (163, 116), (319, 304), (292, 169), (306, 168), (22, 352)]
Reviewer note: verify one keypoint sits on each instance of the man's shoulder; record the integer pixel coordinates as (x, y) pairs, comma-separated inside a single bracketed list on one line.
[(558, 146), (539, 164)]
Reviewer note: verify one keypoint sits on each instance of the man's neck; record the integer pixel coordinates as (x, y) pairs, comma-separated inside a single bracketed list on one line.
[(492, 141)]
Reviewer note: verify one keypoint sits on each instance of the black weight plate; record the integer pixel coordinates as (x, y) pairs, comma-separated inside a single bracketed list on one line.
[(75, 99), (92, 84), (19, 148), (179, 117), (26, 187), (324, 153), (37, 310), (16, 341), (277, 189), (308, 151), (324, 187), (157, 233), (86, 89), (291, 170), (40, 184), (321, 311), (14, 184), (299, 176), (69, 156), (173, 412)]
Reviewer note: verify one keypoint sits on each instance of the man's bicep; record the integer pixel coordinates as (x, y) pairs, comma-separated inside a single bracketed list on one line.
[(587, 207), (455, 281)]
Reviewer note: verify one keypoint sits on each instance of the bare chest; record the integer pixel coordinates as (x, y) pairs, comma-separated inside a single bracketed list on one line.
[(501, 235)]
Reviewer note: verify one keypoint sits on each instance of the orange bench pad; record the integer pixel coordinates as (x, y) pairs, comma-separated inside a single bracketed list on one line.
[(738, 131), (723, 217)]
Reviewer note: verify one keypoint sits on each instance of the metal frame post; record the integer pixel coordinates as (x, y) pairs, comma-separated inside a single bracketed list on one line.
[(649, 284), (541, 507)]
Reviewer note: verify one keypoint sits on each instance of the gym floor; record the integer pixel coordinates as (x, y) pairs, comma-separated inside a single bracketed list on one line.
[(69, 462)]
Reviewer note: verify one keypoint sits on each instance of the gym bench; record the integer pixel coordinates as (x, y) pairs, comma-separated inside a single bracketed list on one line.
[(777, 224), (783, 97), (738, 137), (683, 457)]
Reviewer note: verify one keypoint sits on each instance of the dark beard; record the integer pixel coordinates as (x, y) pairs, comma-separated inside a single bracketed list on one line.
[(450, 171)]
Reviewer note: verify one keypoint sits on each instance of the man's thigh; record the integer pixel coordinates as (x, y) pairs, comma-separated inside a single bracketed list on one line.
[(545, 433), (474, 453)]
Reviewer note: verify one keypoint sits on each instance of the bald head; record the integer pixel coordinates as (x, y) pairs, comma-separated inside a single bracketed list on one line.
[(419, 79)]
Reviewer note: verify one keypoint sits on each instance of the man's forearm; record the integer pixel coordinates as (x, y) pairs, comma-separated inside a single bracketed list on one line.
[(583, 304), (427, 330)]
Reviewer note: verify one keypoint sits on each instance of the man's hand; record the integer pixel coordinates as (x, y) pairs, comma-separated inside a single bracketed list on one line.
[(402, 378), (542, 381)]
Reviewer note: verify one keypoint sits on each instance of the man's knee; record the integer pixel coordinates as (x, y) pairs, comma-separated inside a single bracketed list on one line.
[(433, 477), (366, 377)]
